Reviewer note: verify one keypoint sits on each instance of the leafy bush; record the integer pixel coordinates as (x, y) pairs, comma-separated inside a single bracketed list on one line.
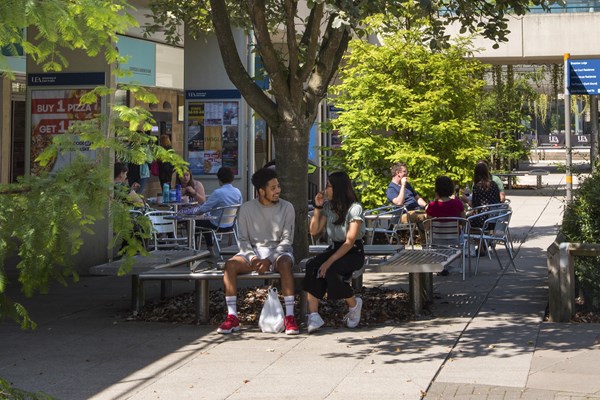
[(581, 224), (9, 393), (403, 102)]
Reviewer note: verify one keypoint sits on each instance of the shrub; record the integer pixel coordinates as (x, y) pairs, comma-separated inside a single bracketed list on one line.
[(581, 224)]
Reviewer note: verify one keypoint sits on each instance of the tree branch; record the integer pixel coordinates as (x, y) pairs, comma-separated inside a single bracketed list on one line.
[(251, 92), (311, 40), (334, 45), (275, 69), (290, 7)]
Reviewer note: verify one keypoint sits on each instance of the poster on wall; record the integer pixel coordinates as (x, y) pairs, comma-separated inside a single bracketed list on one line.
[(212, 133), (53, 111), (54, 105)]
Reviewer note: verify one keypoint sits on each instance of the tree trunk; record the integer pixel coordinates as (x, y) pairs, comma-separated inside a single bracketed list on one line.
[(291, 147)]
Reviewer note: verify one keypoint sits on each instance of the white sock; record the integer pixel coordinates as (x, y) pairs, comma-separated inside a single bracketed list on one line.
[(231, 305), (289, 305)]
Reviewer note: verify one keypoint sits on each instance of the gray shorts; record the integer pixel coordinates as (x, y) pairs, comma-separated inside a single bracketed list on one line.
[(266, 252)]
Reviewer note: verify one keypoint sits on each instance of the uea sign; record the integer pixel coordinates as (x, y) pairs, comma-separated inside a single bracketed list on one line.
[(584, 76)]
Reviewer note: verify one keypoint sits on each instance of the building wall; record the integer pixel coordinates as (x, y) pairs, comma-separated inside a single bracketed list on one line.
[(543, 38), (204, 70)]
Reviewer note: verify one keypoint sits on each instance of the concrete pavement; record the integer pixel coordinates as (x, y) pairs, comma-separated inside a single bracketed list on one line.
[(485, 340)]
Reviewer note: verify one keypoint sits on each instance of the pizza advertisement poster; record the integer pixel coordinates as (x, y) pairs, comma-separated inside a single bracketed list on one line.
[(52, 113)]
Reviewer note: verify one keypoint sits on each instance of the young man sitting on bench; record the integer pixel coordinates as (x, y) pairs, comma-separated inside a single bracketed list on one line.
[(266, 234)]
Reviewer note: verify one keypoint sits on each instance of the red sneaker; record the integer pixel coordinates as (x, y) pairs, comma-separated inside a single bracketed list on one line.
[(291, 327), (231, 324)]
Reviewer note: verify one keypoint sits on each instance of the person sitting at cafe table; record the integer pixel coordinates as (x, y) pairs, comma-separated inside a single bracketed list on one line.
[(496, 179), (401, 193), (485, 192), (445, 204), (225, 195), (191, 187), (122, 189)]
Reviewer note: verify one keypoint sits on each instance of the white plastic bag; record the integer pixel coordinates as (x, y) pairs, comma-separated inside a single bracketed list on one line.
[(271, 316)]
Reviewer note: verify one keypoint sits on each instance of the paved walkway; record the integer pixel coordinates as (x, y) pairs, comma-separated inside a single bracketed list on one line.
[(486, 340)]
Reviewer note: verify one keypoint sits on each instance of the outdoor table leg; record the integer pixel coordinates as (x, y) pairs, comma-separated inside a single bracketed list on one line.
[(201, 301), (539, 181), (191, 239), (302, 294), (357, 283)]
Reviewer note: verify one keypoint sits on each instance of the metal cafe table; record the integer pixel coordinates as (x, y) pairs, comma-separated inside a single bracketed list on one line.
[(191, 219)]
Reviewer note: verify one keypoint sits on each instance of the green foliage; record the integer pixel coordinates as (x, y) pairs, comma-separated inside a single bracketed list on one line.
[(581, 224), (403, 102), (91, 26), (354, 15), (45, 216), (503, 111), (7, 392)]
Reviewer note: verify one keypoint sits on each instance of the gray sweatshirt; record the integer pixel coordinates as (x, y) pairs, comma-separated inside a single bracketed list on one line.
[(270, 227)]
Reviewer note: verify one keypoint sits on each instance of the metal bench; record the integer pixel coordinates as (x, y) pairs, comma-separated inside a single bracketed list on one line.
[(371, 250), (201, 278), (156, 260), (420, 265), (538, 174), (509, 176)]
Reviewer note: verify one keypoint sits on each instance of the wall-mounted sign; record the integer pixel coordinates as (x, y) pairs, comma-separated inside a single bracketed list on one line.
[(212, 94), (53, 111), (141, 61), (67, 79), (558, 140), (584, 76)]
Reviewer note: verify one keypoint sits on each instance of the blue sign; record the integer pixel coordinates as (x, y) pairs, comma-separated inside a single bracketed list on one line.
[(66, 79), (584, 76), (212, 94)]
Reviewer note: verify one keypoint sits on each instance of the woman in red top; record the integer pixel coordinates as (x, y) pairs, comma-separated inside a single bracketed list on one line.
[(445, 205)]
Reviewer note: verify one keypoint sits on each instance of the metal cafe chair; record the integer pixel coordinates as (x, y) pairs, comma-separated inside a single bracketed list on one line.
[(449, 232), (495, 230), (387, 220), (164, 230), (226, 215)]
